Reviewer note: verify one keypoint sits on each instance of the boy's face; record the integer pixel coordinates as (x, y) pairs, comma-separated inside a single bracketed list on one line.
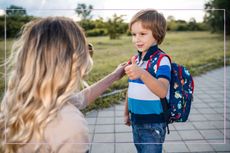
[(141, 37)]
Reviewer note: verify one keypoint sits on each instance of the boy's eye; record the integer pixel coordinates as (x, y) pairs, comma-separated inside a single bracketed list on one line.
[(142, 34), (133, 34)]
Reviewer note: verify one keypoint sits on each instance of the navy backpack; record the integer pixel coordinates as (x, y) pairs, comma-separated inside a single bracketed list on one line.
[(177, 108)]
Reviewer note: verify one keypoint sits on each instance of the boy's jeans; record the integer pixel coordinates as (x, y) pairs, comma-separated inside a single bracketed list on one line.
[(148, 138)]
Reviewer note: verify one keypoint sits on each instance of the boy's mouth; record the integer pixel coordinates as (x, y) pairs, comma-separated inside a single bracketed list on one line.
[(140, 46)]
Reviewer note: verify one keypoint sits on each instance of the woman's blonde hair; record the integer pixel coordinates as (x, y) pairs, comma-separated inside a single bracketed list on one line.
[(151, 19), (51, 58)]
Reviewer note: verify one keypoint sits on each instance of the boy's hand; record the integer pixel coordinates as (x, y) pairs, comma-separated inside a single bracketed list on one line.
[(133, 71), (127, 120)]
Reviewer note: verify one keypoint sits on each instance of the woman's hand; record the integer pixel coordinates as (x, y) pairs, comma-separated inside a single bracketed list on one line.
[(120, 70), (92, 92)]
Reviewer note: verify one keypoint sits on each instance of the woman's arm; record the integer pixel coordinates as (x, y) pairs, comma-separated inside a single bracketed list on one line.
[(95, 90)]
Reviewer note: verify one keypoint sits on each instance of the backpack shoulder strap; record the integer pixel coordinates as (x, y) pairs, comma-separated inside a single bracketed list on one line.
[(164, 101), (161, 55), (160, 58), (150, 59)]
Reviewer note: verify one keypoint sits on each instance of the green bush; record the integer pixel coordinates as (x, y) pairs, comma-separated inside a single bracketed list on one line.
[(87, 24), (13, 25), (180, 25), (177, 26), (96, 32)]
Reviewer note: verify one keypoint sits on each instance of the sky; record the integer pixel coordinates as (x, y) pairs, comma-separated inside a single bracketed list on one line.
[(180, 9)]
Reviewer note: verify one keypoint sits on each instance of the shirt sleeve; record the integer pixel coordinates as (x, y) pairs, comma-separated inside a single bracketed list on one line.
[(164, 70), (78, 100)]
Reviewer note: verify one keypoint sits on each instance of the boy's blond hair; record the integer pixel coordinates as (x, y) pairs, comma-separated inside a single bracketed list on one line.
[(152, 20)]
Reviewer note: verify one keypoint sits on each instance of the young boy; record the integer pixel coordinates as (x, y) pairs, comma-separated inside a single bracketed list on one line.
[(143, 108)]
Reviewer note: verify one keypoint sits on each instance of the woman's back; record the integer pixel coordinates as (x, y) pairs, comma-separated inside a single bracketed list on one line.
[(67, 133), (51, 58)]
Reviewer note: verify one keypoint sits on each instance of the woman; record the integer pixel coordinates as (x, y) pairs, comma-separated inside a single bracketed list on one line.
[(40, 109)]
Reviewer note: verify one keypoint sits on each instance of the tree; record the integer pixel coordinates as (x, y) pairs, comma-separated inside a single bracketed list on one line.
[(87, 24), (16, 18), (170, 18), (192, 25), (84, 11), (215, 18), (115, 26), (14, 10)]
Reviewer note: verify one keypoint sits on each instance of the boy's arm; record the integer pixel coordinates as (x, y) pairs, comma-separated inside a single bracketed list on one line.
[(126, 112), (157, 86)]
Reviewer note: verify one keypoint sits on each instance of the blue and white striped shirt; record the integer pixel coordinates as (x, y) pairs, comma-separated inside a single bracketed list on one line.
[(143, 104)]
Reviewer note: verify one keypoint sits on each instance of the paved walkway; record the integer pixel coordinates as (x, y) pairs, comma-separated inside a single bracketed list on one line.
[(208, 128)]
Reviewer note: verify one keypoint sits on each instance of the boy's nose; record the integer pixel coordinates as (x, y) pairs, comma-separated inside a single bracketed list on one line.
[(136, 39)]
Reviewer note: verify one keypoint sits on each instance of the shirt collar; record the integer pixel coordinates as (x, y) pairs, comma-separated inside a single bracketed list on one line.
[(150, 51)]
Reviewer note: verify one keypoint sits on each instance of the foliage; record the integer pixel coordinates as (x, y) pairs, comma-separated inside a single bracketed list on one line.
[(15, 18), (94, 27), (84, 11), (215, 18), (87, 24), (99, 23), (115, 26), (13, 25), (14, 10), (192, 25), (97, 32), (181, 25), (2, 27)]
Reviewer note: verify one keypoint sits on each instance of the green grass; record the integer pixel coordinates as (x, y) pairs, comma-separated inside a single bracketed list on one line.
[(192, 49), (198, 51)]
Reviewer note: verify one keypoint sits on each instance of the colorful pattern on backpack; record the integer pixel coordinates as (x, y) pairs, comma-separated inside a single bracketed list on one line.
[(181, 91)]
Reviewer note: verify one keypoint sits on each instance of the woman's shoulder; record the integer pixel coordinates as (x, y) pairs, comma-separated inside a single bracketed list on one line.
[(71, 115), (68, 117), (64, 132), (69, 122), (69, 126)]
